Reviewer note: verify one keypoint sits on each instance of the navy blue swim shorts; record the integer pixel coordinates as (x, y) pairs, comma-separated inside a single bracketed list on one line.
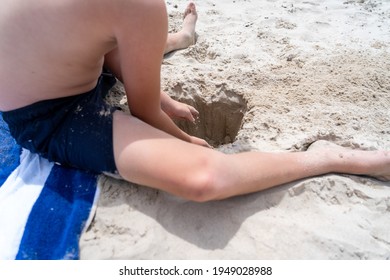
[(74, 131)]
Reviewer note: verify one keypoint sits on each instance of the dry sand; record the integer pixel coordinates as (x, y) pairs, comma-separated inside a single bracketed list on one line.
[(272, 76)]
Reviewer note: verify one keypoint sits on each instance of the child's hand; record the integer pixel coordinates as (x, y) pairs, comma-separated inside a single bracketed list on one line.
[(179, 110), (200, 142)]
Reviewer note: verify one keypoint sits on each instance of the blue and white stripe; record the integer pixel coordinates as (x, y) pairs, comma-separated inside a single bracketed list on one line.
[(44, 207)]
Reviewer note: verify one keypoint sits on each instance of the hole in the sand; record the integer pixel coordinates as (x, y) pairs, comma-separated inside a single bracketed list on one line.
[(220, 116)]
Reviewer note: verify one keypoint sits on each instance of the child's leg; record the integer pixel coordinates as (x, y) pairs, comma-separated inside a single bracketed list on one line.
[(153, 158)]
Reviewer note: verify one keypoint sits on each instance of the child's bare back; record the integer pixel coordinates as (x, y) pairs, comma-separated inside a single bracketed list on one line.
[(50, 49)]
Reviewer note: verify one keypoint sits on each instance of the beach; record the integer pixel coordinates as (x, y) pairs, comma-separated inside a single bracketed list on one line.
[(267, 76)]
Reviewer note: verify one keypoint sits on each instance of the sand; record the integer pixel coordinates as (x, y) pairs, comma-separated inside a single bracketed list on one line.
[(271, 76)]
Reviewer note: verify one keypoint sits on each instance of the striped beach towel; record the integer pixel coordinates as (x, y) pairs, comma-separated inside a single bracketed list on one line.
[(44, 207)]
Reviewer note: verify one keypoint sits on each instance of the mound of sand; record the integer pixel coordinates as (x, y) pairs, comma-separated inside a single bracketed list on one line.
[(273, 76)]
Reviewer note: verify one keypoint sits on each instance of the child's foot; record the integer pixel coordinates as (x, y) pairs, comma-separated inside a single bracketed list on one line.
[(370, 163), (189, 23)]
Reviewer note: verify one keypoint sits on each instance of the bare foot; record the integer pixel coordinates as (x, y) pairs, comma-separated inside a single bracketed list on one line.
[(358, 162), (189, 23), (186, 36)]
